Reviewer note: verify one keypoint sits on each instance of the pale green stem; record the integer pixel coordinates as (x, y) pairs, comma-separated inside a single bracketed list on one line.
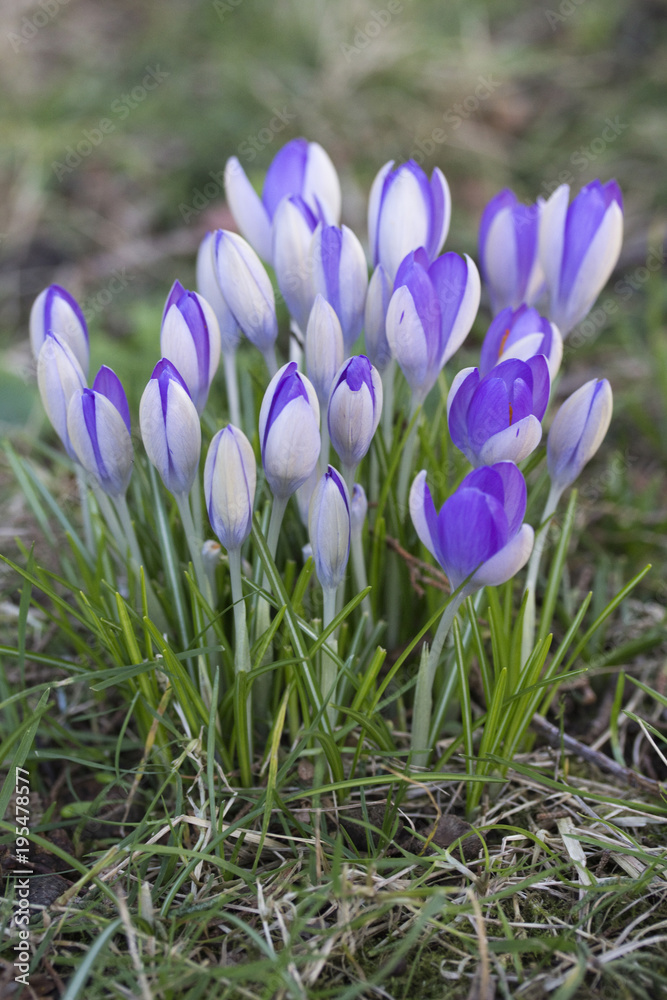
[(359, 569), (195, 504), (388, 380), (155, 610), (407, 459), (263, 612), (271, 360), (85, 509), (194, 545), (325, 439), (242, 642), (232, 385), (108, 513), (328, 663), (528, 635), (421, 714)]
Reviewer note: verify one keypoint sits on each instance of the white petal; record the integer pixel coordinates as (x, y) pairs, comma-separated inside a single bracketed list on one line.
[(374, 203), (513, 444), (467, 312), (321, 184), (406, 337), (553, 214), (248, 209), (596, 267), (506, 563)]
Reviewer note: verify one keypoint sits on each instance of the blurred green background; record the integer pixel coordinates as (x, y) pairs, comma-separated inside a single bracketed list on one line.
[(117, 120)]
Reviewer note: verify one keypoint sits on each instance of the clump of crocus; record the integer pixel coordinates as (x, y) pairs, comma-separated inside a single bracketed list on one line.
[(407, 211), (300, 168), (498, 417), (521, 333), (579, 246), (190, 339), (508, 251)]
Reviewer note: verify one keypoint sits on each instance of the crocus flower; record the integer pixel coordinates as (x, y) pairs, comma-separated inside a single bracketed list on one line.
[(508, 251), (299, 168), (230, 475), (98, 423), (56, 311), (355, 405), (378, 297), (498, 417), (430, 315), (209, 286), (579, 246), (289, 435), (325, 349), (577, 432), (246, 289), (170, 428), (340, 274), (293, 228), (59, 377), (521, 333), (190, 339), (407, 211), (479, 528), (329, 528)]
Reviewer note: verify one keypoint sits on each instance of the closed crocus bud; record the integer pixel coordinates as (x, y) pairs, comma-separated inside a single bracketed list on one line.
[(209, 287), (577, 432), (190, 339), (579, 246), (230, 475), (56, 311), (358, 508), (498, 417), (324, 348), (407, 211), (246, 289), (521, 333), (98, 423), (508, 251), (340, 274), (300, 168), (293, 228), (59, 377), (479, 529), (289, 421), (329, 528), (170, 428), (355, 406), (378, 297)]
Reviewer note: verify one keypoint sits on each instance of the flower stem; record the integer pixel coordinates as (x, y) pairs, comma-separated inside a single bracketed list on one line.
[(361, 580), (407, 459), (528, 635), (232, 385), (420, 749), (328, 663), (263, 613), (388, 379), (271, 360), (156, 613), (85, 509), (194, 544), (242, 666)]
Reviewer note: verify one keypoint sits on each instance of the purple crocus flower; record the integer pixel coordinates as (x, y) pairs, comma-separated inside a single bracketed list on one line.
[(340, 274), (59, 377), (98, 423), (407, 211), (521, 333), (430, 315), (579, 246), (247, 289), (479, 529), (56, 311), (289, 421), (577, 432), (170, 428), (230, 476), (497, 417), (329, 528), (293, 227), (190, 339), (299, 168), (508, 251), (355, 406)]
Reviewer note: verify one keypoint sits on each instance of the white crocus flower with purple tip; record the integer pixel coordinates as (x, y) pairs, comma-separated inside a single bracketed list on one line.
[(190, 339), (170, 428), (300, 168), (355, 406), (293, 227), (289, 434), (59, 377), (340, 274), (508, 251), (479, 531), (577, 432), (230, 476), (498, 417), (209, 287), (380, 288), (521, 333), (325, 349), (98, 423), (329, 528), (56, 311), (248, 292), (579, 247), (407, 211)]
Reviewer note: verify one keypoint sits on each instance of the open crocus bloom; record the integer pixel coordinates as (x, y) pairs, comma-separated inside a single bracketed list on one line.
[(479, 529), (521, 333)]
